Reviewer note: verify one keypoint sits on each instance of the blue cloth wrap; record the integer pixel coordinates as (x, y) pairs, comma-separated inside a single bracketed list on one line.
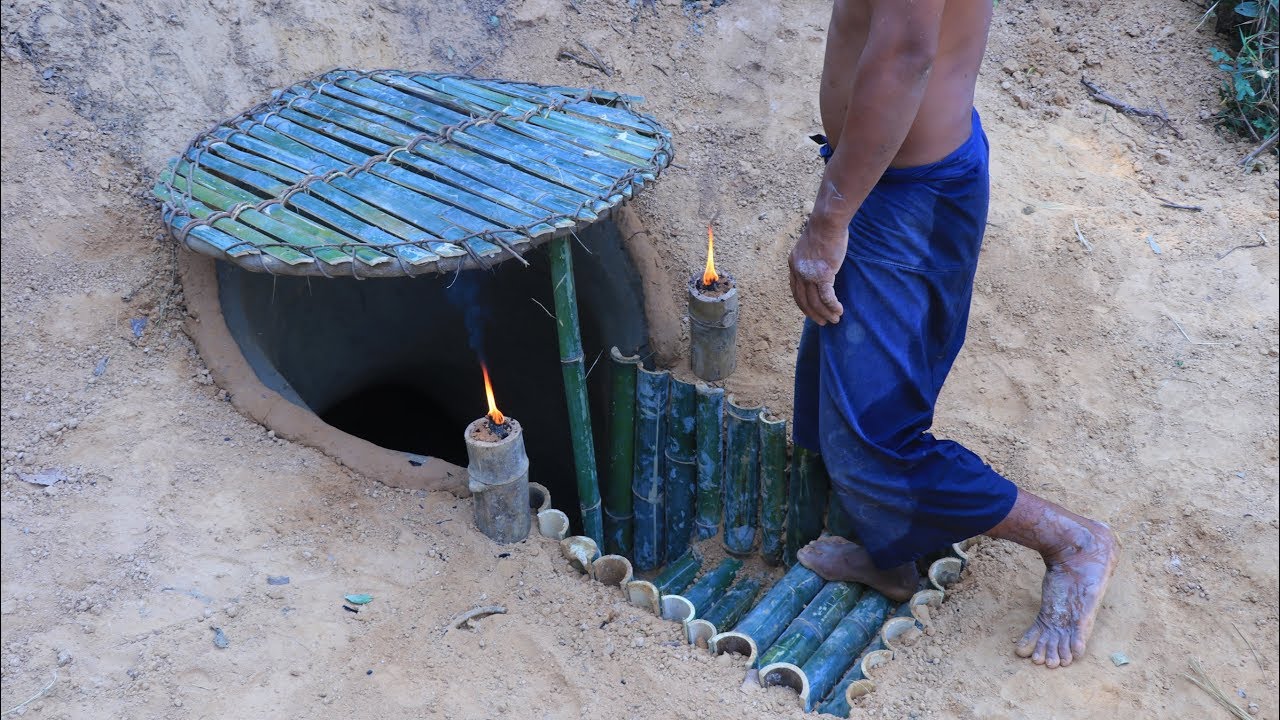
[(866, 386)]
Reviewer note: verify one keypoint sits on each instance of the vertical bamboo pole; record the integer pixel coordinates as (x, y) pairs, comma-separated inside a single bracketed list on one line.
[(806, 497), (773, 486), (710, 421), (652, 389), (622, 428), (742, 478), (838, 520), (681, 470), (575, 387)]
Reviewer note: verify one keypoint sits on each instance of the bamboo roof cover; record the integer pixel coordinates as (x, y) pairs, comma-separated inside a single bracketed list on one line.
[(390, 173)]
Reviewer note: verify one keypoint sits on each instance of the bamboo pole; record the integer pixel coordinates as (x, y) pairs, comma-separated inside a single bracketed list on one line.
[(812, 626), (725, 613), (681, 470), (766, 621), (773, 486), (806, 498), (646, 484), (710, 421), (684, 606), (742, 478), (575, 387), (673, 578), (845, 643), (838, 520), (857, 681), (622, 424)]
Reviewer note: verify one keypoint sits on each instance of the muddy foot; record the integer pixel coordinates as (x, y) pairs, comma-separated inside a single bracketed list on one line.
[(835, 558), (1075, 581)]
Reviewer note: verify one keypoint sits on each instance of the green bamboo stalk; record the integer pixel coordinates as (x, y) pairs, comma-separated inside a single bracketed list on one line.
[(813, 625), (681, 470), (575, 387), (845, 643), (837, 701), (730, 608), (806, 498), (766, 621), (622, 427), (652, 389), (742, 478), (677, 576), (773, 486), (704, 593), (838, 520), (710, 421)]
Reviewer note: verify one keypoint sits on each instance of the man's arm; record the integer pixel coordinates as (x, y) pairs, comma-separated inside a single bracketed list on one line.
[(893, 72)]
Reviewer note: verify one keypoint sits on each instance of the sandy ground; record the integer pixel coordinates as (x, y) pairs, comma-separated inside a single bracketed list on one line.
[(1076, 381)]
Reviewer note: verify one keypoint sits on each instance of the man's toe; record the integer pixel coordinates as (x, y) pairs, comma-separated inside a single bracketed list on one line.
[(1051, 658), (1028, 642), (1065, 656)]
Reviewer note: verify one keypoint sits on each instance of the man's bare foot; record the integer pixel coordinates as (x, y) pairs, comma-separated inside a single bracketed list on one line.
[(835, 558), (1075, 579)]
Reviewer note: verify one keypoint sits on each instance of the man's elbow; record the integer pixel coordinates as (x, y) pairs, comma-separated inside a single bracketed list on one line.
[(914, 59)]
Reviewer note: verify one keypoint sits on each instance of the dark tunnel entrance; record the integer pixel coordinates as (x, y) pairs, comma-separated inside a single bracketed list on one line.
[(396, 361)]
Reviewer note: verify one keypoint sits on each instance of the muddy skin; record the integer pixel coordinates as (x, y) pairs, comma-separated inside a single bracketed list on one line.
[(1080, 556), (837, 559)]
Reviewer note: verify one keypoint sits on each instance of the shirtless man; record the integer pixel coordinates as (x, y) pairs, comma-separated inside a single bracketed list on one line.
[(884, 274)]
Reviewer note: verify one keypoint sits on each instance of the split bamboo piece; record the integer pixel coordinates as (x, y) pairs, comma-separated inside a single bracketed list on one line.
[(702, 594), (539, 498), (742, 477), (829, 662), (612, 570), (810, 627), (575, 387), (652, 389), (618, 513), (806, 500), (857, 682), (581, 552), (553, 523), (710, 420), (773, 486), (681, 474), (725, 613), (674, 578), (766, 621)]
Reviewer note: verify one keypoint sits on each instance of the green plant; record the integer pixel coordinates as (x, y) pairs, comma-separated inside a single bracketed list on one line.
[(1249, 93)]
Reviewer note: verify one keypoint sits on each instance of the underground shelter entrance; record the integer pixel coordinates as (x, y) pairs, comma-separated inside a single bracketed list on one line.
[(396, 361)]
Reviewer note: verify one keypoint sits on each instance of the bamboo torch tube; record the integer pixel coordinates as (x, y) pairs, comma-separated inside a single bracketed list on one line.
[(766, 621), (498, 477), (622, 424), (575, 387), (710, 421), (836, 654), (806, 499), (742, 477), (773, 486), (713, 320), (673, 578), (652, 389), (810, 627), (681, 476), (684, 606), (725, 613)]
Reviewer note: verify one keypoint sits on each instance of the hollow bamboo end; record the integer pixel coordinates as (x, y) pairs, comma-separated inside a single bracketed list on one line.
[(945, 572), (734, 643), (612, 570), (699, 632), (857, 689), (706, 389), (873, 661), (961, 550), (539, 498), (677, 608), (553, 524), (581, 551), (787, 675), (923, 604), (900, 632), (644, 595)]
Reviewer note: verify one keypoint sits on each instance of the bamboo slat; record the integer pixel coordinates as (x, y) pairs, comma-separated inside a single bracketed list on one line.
[(652, 390), (681, 475), (618, 514)]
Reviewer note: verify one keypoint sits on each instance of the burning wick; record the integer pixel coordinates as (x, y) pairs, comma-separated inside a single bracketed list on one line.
[(709, 276), (497, 421)]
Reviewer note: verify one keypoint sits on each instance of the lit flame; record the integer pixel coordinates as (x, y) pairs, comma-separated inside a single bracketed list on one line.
[(709, 275), (494, 413)]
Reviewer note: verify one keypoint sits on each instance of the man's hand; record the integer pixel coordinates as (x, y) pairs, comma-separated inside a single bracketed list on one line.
[(814, 262)]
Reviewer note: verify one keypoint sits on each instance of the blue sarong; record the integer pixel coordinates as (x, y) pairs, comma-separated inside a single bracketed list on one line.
[(866, 386)]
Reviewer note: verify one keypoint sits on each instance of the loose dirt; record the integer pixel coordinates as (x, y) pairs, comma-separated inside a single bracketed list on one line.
[(1134, 380)]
